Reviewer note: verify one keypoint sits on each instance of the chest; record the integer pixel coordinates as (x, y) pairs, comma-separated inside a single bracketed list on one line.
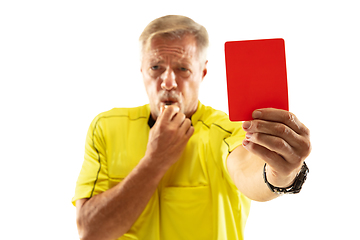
[(126, 146)]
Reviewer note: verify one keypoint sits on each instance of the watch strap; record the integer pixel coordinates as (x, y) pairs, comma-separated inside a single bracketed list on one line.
[(295, 187)]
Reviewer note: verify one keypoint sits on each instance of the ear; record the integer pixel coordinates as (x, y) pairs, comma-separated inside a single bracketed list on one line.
[(141, 66), (204, 71)]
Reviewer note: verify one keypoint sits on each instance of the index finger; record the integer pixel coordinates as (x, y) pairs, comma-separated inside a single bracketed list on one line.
[(281, 116), (169, 112)]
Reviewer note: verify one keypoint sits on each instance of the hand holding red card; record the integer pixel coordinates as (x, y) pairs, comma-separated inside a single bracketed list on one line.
[(256, 76)]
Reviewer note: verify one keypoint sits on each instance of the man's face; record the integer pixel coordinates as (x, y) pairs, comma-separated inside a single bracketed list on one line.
[(172, 74)]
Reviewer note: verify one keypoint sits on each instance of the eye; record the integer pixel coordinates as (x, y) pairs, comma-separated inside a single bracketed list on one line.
[(156, 67), (184, 72)]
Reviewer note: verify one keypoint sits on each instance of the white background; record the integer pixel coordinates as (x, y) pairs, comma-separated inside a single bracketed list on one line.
[(63, 62)]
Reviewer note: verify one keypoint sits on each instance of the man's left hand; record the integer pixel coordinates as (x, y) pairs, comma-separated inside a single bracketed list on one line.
[(281, 140)]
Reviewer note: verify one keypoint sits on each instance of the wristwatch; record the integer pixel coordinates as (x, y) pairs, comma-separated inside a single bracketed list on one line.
[(295, 187)]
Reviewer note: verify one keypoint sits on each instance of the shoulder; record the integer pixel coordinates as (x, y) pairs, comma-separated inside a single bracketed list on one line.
[(216, 118), (211, 115), (131, 113), (135, 113)]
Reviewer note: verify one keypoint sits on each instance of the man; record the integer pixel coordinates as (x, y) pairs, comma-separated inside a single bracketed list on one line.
[(176, 169)]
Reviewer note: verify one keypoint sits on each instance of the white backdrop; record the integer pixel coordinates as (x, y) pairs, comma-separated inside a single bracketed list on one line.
[(63, 62)]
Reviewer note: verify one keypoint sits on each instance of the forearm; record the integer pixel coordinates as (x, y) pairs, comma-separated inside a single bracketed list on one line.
[(249, 181), (246, 170), (111, 214)]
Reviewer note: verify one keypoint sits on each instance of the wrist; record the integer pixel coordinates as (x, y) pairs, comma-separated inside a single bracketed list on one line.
[(294, 187), (153, 167), (282, 181)]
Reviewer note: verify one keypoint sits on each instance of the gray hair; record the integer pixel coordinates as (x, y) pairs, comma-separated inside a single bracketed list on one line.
[(175, 26)]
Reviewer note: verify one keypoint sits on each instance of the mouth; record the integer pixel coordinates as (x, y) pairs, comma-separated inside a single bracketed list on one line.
[(167, 103), (169, 98)]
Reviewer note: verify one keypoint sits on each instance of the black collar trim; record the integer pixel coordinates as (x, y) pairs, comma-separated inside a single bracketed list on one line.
[(151, 121)]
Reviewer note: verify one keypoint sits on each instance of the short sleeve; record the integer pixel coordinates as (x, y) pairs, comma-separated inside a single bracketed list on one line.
[(236, 137), (225, 136), (233, 141), (93, 177)]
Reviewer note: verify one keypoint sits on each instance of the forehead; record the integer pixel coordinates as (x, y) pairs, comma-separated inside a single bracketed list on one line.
[(184, 48)]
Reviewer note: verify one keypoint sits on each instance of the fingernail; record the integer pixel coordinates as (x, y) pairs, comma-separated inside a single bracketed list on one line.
[(246, 124), (245, 142), (162, 108), (256, 114), (248, 135)]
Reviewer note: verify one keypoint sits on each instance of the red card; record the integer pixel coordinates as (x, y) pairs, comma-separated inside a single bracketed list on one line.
[(256, 76)]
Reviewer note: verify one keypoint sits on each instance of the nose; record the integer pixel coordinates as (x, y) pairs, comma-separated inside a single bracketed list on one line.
[(168, 80)]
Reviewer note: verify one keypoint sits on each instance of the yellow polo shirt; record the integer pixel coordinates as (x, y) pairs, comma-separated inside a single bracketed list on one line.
[(196, 199)]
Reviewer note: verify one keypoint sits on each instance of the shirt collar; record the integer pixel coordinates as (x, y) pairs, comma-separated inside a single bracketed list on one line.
[(194, 118), (151, 121)]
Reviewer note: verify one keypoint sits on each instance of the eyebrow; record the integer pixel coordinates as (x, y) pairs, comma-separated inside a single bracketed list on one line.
[(156, 61), (160, 61)]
